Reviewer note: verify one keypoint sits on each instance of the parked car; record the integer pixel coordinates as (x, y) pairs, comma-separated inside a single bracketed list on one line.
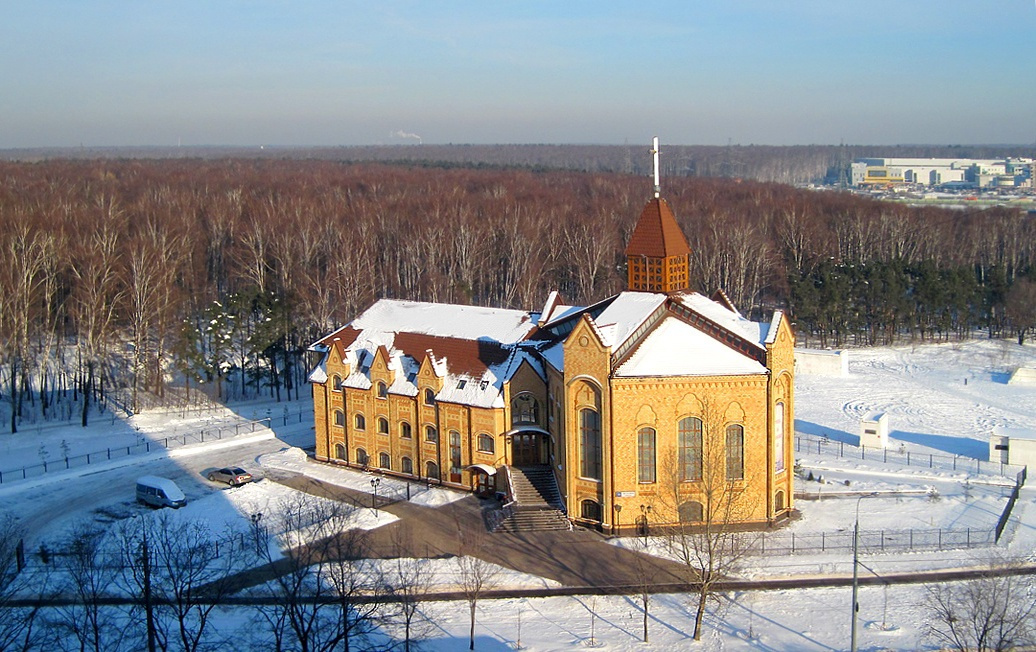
[(159, 492), (232, 475)]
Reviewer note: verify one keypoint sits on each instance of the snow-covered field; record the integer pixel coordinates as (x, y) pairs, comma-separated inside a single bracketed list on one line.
[(941, 400)]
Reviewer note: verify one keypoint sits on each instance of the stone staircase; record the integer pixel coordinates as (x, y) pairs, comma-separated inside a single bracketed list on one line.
[(535, 502)]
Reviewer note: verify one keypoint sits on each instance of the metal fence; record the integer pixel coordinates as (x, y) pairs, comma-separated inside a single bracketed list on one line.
[(144, 446), (805, 444), (876, 541)]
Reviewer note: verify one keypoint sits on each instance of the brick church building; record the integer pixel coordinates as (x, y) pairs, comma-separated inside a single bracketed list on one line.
[(656, 405)]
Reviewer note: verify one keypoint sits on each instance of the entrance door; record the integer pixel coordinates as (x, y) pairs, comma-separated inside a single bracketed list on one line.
[(454, 456), (525, 449)]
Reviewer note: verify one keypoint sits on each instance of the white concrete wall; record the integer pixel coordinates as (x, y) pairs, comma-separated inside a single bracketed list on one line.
[(822, 363), (1021, 376)]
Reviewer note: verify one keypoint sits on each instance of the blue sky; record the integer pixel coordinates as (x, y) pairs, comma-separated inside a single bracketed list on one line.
[(337, 72)]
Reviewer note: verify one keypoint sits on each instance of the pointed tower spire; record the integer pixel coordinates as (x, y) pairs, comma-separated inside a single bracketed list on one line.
[(657, 255)]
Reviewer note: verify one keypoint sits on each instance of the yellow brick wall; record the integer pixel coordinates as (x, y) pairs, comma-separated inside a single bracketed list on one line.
[(587, 363)]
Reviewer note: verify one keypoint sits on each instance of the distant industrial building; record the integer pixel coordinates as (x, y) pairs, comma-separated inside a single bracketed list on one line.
[(945, 172)]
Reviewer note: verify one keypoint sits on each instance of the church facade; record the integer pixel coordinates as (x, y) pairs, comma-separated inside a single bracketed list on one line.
[(655, 406)]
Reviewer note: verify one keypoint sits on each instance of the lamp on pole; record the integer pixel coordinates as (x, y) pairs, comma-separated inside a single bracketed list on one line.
[(618, 510), (374, 496), (645, 511), (856, 564)]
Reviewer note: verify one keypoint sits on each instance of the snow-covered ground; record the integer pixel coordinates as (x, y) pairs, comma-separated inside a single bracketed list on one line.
[(942, 400)]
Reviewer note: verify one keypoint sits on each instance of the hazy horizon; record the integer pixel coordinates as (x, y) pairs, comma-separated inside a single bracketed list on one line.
[(101, 73)]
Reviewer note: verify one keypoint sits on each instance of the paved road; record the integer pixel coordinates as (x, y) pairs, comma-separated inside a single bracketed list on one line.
[(578, 558)]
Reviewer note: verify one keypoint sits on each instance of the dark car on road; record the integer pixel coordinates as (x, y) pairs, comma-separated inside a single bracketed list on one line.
[(232, 475)]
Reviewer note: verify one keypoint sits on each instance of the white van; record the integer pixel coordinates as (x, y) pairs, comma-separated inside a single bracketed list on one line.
[(159, 492)]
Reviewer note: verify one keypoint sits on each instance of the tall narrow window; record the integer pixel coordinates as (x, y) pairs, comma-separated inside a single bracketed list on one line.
[(432, 470), (382, 390), (778, 438), (590, 454), (407, 465), (336, 383), (455, 453), (646, 455), (361, 422), (429, 396), (361, 457), (385, 460), (339, 451), (735, 452), (339, 418), (690, 434), (405, 430), (431, 434), (383, 426)]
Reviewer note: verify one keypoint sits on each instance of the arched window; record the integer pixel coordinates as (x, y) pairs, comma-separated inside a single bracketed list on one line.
[(778, 502), (385, 460), (524, 409), (690, 433), (646, 455), (778, 437), (340, 451), (691, 512), (407, 465), (735, 452), (383, 426), (361, 457), (339, 418), (382, 390), (429, 396), (405, 431), (486, 443), (361, 422), (336, 383), (590, 510), (431, 470), (590, 454), (431, 434)]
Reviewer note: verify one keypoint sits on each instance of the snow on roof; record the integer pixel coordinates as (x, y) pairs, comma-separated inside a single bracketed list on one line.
[(1015, 433), (627, 312), (319, 374), (445, 320), (754, 332), (675, 348), (555, 355)]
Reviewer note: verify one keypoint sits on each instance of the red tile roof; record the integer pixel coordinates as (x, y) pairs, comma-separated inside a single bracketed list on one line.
[(471, 357), (657, 233)]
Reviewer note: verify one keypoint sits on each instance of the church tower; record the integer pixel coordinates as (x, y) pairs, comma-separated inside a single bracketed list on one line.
[(657, 256)]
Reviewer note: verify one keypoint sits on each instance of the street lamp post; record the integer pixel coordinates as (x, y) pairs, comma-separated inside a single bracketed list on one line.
[(618, 510), (645, 511), (374, 496), (856, 564)]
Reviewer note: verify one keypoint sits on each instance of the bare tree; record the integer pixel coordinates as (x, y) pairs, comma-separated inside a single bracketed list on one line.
[(327, 594), (706, 492), (18, 632), (89, 569), (476, 575), (184, 569), (407, 583), (993, 612)]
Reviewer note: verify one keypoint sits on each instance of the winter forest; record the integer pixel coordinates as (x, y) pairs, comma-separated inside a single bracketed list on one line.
[(123, 279)]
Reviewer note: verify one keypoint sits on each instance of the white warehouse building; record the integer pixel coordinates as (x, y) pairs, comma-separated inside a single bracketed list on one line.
[(979, 173)]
